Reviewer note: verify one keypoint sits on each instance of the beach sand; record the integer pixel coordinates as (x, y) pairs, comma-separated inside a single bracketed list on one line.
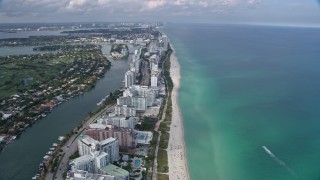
[(178, 167)]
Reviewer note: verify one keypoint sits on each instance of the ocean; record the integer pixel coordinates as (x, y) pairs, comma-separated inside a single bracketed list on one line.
[(250, 100)]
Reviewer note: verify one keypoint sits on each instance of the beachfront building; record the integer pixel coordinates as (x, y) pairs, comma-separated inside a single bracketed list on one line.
[(101, 132)]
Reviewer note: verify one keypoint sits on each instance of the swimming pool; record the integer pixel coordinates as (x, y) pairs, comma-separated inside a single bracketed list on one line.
[(137, 162), (141, 137)]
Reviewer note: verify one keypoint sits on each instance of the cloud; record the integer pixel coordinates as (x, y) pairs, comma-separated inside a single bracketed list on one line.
[(253, 2), (152, 4), (108, 9), (230, 2)]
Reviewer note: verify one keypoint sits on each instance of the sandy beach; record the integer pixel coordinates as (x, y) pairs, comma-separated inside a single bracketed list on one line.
[(178, 167)]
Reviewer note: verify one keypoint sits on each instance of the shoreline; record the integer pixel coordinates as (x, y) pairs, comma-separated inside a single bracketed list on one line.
[(177, 159)]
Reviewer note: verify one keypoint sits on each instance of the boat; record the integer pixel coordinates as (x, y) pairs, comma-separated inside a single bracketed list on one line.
[(46, 157), (61, 138), (41, 165), (268, 151), (102, 100)]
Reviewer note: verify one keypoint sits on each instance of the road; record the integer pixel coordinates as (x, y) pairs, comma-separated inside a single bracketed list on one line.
[(71, 145)]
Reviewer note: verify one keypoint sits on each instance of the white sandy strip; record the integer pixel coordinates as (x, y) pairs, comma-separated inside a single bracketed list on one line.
[(178, 168)]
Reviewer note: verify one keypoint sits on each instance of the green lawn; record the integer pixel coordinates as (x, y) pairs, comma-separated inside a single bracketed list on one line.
[(162, 176), (12, 74), (163, 161), (163, 144), (165, 136)]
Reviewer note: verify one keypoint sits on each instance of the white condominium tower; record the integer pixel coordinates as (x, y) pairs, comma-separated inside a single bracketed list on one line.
[(129, 79)]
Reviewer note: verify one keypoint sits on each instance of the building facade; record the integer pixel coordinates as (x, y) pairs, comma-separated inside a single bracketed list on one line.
[(129, 78)]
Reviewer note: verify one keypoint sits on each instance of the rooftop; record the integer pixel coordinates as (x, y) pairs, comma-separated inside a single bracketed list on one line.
[(97, 126), (100, 155), (114, 170), (106, 141), (82, 158), (88, 140)]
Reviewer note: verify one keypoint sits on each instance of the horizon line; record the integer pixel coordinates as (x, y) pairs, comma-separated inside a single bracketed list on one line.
[(170, 22)]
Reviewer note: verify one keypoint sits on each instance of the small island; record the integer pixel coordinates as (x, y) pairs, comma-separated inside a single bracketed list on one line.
[(119, 51)]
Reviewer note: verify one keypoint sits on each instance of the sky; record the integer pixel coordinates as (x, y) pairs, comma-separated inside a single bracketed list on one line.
[(281, 12)]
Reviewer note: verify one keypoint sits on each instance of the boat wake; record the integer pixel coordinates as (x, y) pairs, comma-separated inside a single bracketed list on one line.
[(280, 162)]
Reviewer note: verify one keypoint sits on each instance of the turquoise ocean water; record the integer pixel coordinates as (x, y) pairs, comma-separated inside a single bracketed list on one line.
[(245, 87)]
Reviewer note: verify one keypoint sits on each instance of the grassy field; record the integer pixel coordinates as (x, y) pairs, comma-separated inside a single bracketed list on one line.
[(163, 144), (164, 140), (163, 161), (21, 72), (162, 176), (13, 74)]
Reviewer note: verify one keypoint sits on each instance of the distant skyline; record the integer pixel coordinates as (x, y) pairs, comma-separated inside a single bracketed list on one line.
[(273, 12)]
